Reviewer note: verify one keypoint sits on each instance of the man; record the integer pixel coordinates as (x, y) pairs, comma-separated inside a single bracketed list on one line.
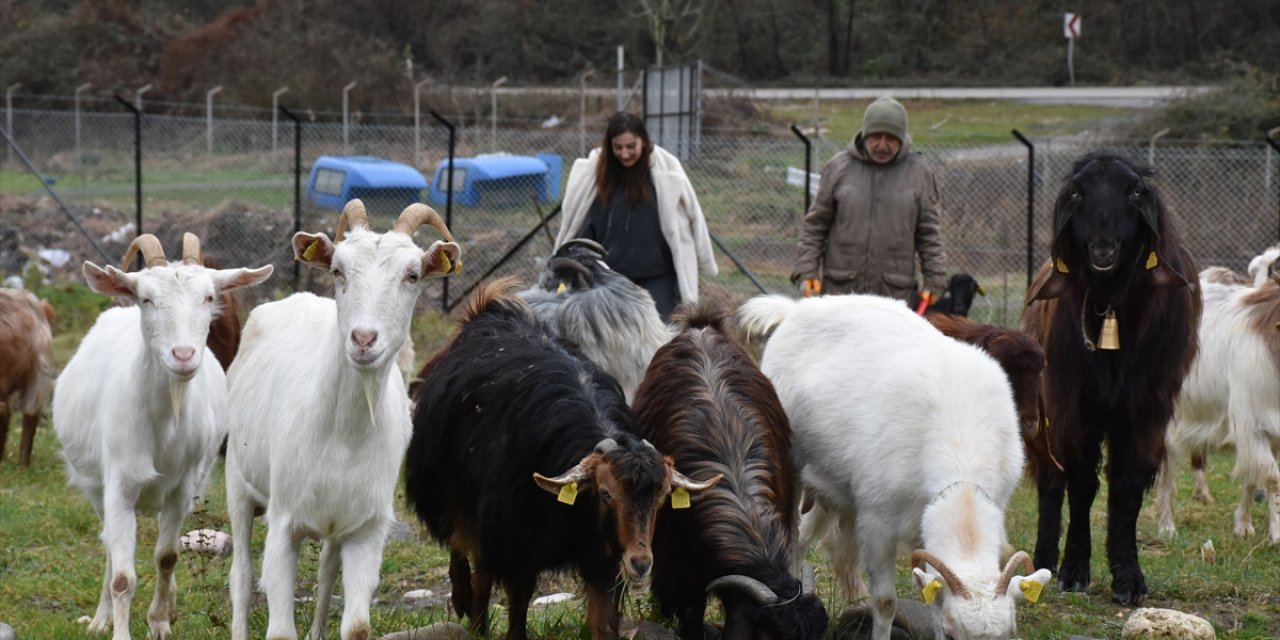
[(877, 208)]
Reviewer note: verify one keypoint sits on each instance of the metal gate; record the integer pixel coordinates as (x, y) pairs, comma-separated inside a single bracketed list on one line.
[(672, 102)]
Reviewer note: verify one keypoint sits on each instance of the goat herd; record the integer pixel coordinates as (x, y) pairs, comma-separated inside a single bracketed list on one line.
[(565, 426)]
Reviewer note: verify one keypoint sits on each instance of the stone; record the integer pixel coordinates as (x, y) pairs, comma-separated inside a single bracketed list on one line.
[(911, 621), (7, 632), (1159, 624)]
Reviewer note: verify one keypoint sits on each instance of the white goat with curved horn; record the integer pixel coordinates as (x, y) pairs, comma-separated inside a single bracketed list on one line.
[(138, 411), (319, 417)]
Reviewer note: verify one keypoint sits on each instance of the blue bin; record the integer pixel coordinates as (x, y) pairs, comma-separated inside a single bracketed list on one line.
[(381, 184), (498, 180)]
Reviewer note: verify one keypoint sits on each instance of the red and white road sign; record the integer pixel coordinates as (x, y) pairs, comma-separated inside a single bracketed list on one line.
[(1071, 25)]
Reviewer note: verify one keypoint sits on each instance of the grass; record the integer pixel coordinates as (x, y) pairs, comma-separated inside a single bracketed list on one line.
[(955, 121)]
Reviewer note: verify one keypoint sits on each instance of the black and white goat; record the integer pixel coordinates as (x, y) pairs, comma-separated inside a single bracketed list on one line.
[(612, 319)]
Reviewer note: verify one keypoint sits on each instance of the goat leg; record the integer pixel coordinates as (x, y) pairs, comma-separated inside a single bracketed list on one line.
[(1051, 489), (29, 423)]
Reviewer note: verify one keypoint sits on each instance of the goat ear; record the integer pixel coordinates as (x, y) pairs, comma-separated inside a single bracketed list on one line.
[(1050, 282), (313, 249), (109, 281), (927, 585), (229, 279), (441, 259), (1028, 588)]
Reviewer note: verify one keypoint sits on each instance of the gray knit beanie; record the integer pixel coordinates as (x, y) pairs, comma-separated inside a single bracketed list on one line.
[(885, 115)]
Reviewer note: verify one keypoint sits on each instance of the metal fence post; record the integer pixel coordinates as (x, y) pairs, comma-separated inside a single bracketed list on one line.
[(1275, 144), (137, 158), (1031, 204), (346, 116), (448, 196), (275, 113), (808, 146), (1151, 149), (297, 186), (79, 90), (208, 117), (8, 112), (417, 125), (582, 111), (493, 113)]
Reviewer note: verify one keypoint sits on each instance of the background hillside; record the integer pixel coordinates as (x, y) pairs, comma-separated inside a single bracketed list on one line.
[(184, 47)]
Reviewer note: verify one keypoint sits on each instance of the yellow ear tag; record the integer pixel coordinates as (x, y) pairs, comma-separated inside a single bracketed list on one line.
[(1031, 590), (930, 591), (445, 264), (310, 252), (680, 498), (1152, 261), (568, 493), (1062, 266), (561, 288)]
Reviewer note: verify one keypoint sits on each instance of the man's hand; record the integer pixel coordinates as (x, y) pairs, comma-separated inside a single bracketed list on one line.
[(926, 300), (811, 287)]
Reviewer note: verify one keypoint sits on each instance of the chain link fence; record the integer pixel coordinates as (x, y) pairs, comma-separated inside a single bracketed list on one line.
[(236, 183)]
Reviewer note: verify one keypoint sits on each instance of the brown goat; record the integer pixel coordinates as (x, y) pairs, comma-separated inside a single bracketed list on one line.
[(1022, 359), (26, 363)]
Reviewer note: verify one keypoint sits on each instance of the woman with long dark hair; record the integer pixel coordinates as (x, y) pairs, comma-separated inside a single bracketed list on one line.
[(634, 198)]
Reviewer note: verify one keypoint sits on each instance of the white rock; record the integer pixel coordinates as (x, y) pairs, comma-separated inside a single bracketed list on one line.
[(552, 599), (1159, 624), (207, 541), (419, 594)]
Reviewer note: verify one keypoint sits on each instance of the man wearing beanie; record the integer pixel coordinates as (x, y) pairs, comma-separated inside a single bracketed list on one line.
[(877, 208)]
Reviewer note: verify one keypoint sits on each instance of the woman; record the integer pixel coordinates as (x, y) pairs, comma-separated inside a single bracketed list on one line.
[(634, 198)]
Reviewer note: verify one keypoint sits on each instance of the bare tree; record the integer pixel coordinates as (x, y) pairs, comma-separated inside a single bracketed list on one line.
[(674, 25)]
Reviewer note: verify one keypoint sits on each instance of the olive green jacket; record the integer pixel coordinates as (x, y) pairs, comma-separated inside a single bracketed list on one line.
[(869, 222)]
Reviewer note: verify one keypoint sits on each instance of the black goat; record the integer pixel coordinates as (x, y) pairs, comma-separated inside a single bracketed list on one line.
[(704, 402), (1117, 310), (500, 406)]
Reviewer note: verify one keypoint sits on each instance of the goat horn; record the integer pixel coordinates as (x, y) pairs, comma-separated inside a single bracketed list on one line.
[(750, 586), (680, 480), (605, 446), (152, 253), (920, 556), (418, 214), (567, 263), (808, 581), (355, 215), (1019, 559), (585, 242), (191, 250)]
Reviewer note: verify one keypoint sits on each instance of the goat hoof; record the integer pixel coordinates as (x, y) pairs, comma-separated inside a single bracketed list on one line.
[(1073, 578), (1129, 589)]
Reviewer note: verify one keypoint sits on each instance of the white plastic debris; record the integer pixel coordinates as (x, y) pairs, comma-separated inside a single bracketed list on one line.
[(207, 541), (55, 257)]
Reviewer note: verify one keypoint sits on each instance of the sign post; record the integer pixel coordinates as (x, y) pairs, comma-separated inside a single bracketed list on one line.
[(1071, 31)]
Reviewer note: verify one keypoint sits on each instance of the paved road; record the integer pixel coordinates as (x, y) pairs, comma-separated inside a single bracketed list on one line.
[(1107, 96)]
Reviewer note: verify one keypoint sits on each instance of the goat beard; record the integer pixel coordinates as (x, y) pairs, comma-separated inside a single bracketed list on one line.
[(176, 391)]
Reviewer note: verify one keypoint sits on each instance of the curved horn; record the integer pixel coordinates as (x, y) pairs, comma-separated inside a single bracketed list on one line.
[(191, 250), (585, 242), (567, 263), (680, 480), (757, 590), (353, 214), (648, 444), (808, 581), (920, 556), (418, 214), (605, 446), (1019, 559), (152, 252)]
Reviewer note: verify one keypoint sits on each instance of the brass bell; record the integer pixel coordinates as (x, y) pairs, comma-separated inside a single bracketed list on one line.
[(1109, 339)]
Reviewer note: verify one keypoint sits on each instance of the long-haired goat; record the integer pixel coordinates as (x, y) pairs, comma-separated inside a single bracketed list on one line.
[(501, 405), (26, 364), (1116, 309), (319, 418), (139, 412), (1232, 395), (903, 436), (706, 404), (611, 319)]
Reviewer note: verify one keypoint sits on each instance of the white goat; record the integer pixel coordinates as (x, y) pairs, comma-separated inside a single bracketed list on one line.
[(138, 411), (319, 418), (903, 436), (1231, 396)]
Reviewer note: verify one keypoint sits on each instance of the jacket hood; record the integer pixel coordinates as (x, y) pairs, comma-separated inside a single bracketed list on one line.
[(859, 151)]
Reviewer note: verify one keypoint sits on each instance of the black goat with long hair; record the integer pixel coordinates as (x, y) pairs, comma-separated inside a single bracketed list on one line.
[(1117, 309), (500, 406), (705, 403)]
